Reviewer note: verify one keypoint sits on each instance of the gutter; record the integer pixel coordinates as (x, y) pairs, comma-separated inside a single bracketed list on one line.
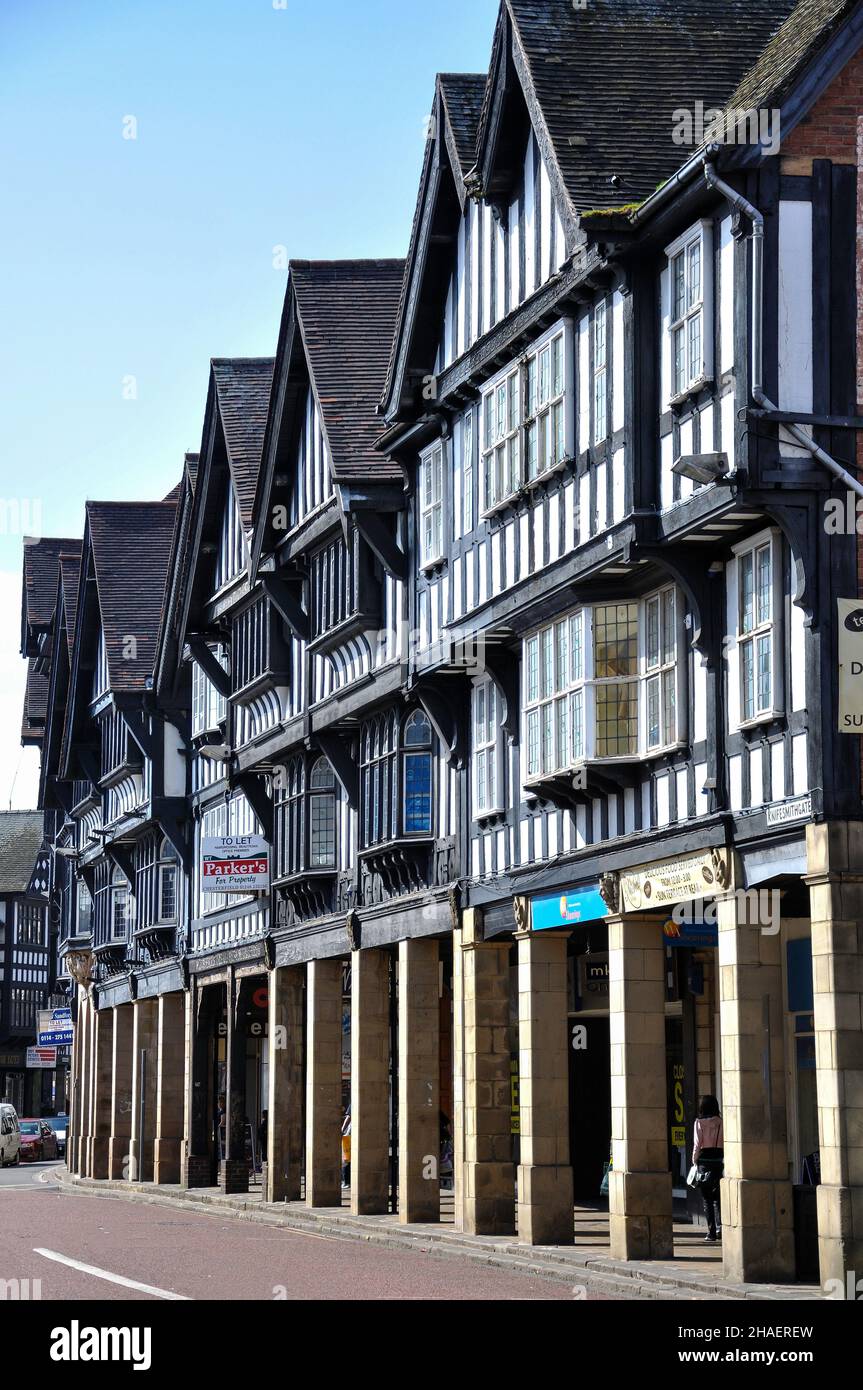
[(741, 204)]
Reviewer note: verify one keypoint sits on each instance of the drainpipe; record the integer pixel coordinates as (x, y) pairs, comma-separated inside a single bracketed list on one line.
[(741, 204)]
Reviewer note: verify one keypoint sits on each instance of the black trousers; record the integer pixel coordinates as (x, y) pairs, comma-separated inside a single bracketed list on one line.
[(710, 1161)]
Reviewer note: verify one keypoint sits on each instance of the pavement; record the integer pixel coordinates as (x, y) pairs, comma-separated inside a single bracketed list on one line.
[(584, 1270)]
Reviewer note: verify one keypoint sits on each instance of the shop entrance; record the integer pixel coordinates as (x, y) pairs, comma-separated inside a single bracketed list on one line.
[(590, 1105)]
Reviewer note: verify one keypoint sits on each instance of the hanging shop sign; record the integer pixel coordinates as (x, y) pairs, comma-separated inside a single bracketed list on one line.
[(662, 885), (55, 1028), (42, 1057), (850, 628), (568, 909), (235, 864)]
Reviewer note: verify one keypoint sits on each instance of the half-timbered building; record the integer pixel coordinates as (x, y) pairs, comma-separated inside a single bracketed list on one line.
[(503, 609)]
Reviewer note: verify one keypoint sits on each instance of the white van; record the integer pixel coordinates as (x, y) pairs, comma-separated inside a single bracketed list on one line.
[(10, 1136)]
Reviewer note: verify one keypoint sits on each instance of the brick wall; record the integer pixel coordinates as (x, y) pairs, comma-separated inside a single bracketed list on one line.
[(830, 129)]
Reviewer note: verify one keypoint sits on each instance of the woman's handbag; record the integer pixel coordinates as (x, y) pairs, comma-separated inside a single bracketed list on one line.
[(696, 1176)]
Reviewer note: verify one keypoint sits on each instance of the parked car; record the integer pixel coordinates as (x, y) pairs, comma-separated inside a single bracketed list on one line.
[(10, 1138), (38, 1141), (60, 1125)]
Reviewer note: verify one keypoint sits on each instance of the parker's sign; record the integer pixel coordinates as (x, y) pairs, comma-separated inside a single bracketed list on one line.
[(235, 864)]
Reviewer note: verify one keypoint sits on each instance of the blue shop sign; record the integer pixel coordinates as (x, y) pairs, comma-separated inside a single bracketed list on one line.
[(693, 934), (568, 909)]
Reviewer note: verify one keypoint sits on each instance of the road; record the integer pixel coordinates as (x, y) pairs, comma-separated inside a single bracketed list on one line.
[(159, 1252)]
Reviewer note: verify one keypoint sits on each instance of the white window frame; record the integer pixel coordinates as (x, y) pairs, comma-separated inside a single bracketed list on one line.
[(695, 313), (209, 707), (168, 866), (765, 629), (120, 892), (430, 504), (467, 441), (599, 317), (574, 695), (486, 749), (548, 417), (662, 671)]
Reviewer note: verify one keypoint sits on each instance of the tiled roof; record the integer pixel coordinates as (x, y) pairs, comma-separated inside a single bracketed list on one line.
[(806, 28), (243, 394), (131, 545), (41, 561), (35, 702), (20, 842), (347, 314), (607, 80), (70, 569), (463, 94)]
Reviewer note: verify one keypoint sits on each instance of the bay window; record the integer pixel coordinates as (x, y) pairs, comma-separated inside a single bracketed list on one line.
[(120, 906), (396, 778), (526, 431), (757, 645), (603, 682), (322, 816), (600, 372), (689, 309), (431, 506), (169, 871), (487, 797), (304, 817)]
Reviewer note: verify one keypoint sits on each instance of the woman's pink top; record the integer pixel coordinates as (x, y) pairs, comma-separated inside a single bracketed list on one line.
[(708, 1135)]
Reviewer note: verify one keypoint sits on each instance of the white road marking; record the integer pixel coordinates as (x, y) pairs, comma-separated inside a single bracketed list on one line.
[(112, 1278)]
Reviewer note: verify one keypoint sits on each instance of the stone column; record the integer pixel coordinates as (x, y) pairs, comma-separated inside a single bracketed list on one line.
[(103, 1033), (145, 1040), (196, 1166), (285, 1085), (639, 1191), (545, 1203), (370, 1083), (169, 1089), (489, 1172), (121, 1092), (419, 1080), (82, 1086), (755, 1193), (87, 1155), (234, 1168), (458, 1085), (324, 1083), (835, 878)]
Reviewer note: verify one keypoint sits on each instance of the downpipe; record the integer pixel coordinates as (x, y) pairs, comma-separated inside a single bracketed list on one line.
[(741, 204)]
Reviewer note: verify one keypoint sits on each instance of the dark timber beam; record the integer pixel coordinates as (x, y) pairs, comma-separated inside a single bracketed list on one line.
[(382, 540), (286, 600), (337, 752), (212, 669), (255, 792)]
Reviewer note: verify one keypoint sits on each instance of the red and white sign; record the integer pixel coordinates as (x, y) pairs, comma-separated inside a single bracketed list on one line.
[(235, 864), (41, 1057)]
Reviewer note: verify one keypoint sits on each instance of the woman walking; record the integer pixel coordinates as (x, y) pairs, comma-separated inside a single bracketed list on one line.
[(707, 1153)]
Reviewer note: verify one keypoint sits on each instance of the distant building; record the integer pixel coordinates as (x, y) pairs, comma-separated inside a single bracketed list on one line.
[(27, 964)]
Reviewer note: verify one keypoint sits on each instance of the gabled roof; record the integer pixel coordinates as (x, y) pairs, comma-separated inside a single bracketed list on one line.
[(346, 312), (35, 704), (70, 569), (20, 842), (39, 585), (463, 94), (243, 396), (130, 544), (805, 31), (603, 82)]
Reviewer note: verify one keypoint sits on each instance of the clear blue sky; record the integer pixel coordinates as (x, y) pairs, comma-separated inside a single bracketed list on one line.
[(259, 124)]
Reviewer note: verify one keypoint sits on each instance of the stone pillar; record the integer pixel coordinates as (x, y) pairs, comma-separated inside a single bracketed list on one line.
[(169, 1089), (87, 1154), (103, 1056), (81, 1086), (545, 1203), (419, 1080), (324, 1083), (121, 1092), (285, 1085), (196, 1166), (458, 1087), (145, 1042), (489, 1172), (639, 1191), (835, 878), (370, 1081), (755, 1193), (234, 1168)]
